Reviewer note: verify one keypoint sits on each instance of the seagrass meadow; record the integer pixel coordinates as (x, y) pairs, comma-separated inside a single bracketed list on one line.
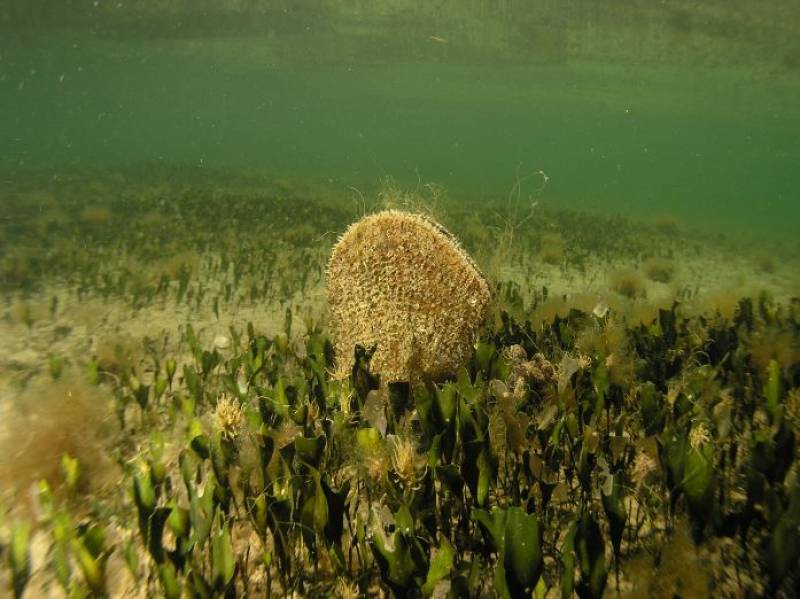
[(172, 426), (448, 299)]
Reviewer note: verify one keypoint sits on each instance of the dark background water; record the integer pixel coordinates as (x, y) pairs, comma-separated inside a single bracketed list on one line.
[(707, 136)]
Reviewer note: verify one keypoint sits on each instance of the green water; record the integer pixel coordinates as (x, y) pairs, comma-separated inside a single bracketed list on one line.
[(184, 342), (715, 146)]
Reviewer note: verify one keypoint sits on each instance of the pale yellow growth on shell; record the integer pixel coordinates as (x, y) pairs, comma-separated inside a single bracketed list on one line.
[(402, 283)]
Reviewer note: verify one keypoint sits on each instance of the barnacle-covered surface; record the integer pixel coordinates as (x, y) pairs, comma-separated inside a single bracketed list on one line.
[(592, 441), (400, 283)]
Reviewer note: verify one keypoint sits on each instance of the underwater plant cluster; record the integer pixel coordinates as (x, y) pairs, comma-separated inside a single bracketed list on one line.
[(547, 463), (581, 450)]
